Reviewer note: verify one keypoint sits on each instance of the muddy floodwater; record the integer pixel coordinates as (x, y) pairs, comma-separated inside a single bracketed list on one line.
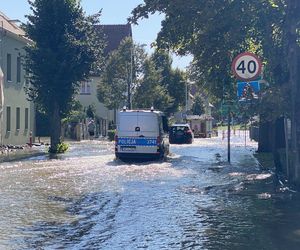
[(86, 199)]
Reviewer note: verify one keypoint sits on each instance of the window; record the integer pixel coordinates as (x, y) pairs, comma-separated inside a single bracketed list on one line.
[(85, 88), (18, 69), (17, 118), (8, 117), (8, 67), (26, 118)]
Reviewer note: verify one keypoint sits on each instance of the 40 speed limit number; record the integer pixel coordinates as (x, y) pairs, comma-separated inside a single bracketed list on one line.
[(246, 66)]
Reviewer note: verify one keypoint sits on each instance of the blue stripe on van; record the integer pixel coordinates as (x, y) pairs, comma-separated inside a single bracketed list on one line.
[(137, 141)]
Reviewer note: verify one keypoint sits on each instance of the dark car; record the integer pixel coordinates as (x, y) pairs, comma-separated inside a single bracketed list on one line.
[(180, 133)]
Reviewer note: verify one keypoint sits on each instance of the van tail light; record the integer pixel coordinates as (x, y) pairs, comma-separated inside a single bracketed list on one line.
[(189, 131), (158, 140), (116, 139)]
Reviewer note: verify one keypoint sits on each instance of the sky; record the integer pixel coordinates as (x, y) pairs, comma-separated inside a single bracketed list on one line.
[(113, 12)]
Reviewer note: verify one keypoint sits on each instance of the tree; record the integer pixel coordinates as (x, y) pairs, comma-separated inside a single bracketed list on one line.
[(292, 33), (91, 111), (173, 80), (119, 78), (207, 30), (214, 34), (150, 92), (65, 49), (198, 106)]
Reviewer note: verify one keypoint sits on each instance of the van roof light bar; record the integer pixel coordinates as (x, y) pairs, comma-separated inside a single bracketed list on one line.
[(124, 108), (152, 109)]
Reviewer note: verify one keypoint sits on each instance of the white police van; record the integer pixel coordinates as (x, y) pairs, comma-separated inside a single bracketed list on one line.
[(141, 134)]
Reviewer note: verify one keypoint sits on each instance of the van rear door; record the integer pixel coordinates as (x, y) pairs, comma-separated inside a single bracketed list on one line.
[(128, 123), (148, 125)]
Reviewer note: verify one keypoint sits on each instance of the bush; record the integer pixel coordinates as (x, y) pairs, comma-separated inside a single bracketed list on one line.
[(111, 134), (61, 148)]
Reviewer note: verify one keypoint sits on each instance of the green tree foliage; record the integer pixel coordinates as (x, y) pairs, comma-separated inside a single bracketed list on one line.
[(150, 92), (173, 80), (130, 66), (214, 32), (91, 111), (65, 49), (198, 106), (75, 114), (123, 68)]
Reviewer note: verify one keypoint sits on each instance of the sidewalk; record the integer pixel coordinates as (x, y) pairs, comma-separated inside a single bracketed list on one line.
[(20, 154), (39, 147)]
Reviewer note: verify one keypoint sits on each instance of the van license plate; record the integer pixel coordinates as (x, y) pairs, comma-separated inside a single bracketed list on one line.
[(128, 148)]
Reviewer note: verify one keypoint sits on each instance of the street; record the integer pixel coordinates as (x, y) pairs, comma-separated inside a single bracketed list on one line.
[(86, 199)]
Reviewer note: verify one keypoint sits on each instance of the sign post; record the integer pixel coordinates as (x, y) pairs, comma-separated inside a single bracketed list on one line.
[(247, 67), (227, 108), (228, 135)]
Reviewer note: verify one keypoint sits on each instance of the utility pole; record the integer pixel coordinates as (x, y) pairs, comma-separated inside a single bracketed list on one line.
[(186, 96), (129, 82)]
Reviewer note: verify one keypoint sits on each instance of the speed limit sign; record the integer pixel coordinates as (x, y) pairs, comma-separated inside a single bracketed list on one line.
[(246, 66)]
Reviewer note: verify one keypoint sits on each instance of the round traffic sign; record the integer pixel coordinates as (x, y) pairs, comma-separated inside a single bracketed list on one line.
[(246, 66)]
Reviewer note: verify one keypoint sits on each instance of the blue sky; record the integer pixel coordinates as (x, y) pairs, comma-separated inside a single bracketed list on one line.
[(113, 12)]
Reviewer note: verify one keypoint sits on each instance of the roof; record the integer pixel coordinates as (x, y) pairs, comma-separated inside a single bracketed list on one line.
[(10, 26), (115, 33)]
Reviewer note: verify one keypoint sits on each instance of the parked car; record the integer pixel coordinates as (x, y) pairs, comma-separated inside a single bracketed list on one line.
[(141, 134), (180, 133)]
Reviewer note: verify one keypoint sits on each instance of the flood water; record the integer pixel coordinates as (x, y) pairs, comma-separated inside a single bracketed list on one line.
[(194, 200)]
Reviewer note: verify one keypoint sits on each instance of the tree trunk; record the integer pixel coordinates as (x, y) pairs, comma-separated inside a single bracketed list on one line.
[(55, 131), (279, 143), (279, 135), (264, 141), (292, 19)]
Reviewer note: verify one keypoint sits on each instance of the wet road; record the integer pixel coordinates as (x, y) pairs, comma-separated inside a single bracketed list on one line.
[(193, 200)]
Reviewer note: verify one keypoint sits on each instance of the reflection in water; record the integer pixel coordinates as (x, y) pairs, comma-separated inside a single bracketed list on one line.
[(194, 200)]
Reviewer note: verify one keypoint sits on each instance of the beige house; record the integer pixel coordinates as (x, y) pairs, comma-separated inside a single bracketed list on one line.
[(88, 91), (88, 96), (17, 116)]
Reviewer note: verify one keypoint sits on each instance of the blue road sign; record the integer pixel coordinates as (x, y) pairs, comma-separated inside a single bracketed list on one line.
[(248, 90)]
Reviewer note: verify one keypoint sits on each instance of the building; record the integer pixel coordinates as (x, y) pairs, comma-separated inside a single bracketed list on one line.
[(17, 116), (88, 91)]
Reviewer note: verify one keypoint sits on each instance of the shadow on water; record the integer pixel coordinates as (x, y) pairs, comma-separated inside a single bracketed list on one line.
[(91, 224)]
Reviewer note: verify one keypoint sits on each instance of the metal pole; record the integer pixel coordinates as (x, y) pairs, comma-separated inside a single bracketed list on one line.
[(228, 135), (130, 80), (245, 134), (186, 96)]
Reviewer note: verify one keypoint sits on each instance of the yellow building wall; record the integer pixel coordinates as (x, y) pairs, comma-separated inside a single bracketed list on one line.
[(14, 94)]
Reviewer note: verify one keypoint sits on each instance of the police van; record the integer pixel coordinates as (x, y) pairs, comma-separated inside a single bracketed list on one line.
[(141, 134)]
